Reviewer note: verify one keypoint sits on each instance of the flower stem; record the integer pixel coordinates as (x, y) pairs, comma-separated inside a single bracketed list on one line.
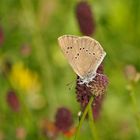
[(92, 123), (83, 117), (134, 103)]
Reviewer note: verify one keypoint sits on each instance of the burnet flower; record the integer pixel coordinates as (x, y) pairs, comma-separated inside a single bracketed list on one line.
[(85, 18), (62, 124), (97, 87), (63, 119), (13, 101), (1, 36)]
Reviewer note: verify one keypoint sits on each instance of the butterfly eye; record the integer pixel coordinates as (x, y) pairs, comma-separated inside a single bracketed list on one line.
[(80, 48)]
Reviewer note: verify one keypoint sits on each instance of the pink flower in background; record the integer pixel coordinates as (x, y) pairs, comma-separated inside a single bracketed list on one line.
[(21, 133), (25, 50), (48, 129)]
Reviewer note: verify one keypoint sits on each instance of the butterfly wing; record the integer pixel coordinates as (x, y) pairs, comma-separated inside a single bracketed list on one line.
[(83, 53), (69, 49), (91, 55)]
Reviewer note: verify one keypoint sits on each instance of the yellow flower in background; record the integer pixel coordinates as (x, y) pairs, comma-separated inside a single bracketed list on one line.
[(24, 79)]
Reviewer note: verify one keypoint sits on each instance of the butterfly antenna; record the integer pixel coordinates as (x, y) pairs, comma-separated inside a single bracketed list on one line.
[(71, 85)]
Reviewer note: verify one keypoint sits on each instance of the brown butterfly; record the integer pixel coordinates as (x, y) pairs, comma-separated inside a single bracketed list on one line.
[(84, 54)]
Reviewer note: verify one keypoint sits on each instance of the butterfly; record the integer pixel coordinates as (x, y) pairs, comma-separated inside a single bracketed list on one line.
[(84, 54)]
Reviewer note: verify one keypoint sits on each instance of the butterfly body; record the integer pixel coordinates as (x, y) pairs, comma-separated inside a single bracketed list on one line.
[(84, 54)]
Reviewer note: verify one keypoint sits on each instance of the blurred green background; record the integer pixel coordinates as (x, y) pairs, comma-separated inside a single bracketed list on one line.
[(41, 76)]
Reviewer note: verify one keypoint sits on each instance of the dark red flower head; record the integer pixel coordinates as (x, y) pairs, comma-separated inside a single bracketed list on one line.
[(83, 93), (97, 105), (96, 88), (100, 69), (13, 101), (85, 18), (1, 36), (63, 119), (99, 84)]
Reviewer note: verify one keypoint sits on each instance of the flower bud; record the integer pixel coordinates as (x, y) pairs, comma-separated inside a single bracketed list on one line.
[(131, 73), (63, 119), (1, 36), (13, 101), (97, 105), (85, 18)]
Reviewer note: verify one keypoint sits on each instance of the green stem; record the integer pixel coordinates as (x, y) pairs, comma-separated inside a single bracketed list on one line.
[(134, 103), (83, 117), (92, 124)]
